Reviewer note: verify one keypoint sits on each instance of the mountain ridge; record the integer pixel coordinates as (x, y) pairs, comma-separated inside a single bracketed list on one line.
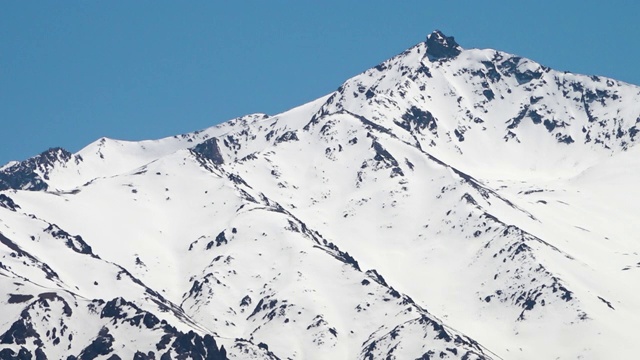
[(443, 188)]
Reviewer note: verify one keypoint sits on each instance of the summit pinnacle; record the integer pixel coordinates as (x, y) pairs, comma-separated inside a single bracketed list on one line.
[(440, 46)]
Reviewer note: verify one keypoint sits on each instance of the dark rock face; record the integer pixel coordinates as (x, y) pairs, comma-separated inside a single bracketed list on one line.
[(32, 173), (418, 119), (101, 345), (192, 346), (8, 203), (288, 136), (209, 150), (23, 354), (183, 345), (382, 155), (440, 46), (19, 298), (19, 332), (75, 243), (220, 239), (142, 356)]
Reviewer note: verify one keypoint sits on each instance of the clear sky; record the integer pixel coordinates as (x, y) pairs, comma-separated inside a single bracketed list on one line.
[(73, 71)]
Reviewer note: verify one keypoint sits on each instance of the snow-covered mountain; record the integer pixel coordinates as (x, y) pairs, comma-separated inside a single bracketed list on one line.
[(446, 204)]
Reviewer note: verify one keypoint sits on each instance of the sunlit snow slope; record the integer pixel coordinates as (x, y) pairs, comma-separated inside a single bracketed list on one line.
[(446, 204)]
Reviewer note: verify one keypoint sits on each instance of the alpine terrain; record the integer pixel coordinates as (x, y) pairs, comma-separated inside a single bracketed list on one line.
[(445, 204)]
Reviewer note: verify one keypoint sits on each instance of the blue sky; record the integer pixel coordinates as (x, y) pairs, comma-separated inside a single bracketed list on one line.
[(73, 71)]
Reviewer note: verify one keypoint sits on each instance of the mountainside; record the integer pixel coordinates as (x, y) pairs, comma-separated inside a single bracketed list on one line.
[(445, 204)]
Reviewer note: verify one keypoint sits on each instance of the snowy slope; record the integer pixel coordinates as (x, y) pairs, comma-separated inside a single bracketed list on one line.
[(447, 203)]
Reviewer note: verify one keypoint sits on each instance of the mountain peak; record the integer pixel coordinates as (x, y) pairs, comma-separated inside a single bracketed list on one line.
[(465, 170), (440, 46)]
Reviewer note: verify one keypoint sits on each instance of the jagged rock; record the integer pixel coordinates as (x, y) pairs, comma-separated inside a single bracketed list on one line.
[(210, 150), (440, 46)]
